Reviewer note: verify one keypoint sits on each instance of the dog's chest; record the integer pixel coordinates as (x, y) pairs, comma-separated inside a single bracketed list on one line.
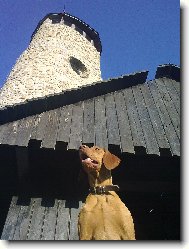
[(103, 203)]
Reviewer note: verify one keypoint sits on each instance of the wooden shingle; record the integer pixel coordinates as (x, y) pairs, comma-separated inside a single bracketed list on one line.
[(112, 120), (123, 123), (36, 221), (155, 118), (39, 220), (145, 121), (24, 131), (170, 85), (169, 105), (63, 219), (23, 221), (141, 117), (49, 223), (49, 138), (11, 221), (166, 121), (136, 129), (88, 136), (76, 128), (101, 137), (41, 127), (63, 131)]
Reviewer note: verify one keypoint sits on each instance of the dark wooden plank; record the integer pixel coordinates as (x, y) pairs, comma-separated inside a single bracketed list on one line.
[(136, 129), (24, 131), (49, 222), (75, 139), (169, 105), (150, 138), (123, 123), (35, 126), (23, 222), (88, 122), (101, 137), (10, 133), (166, 121), (169, 84), (63, 219), (40, 131), (49, 139), (74, 222), (155, 118), (36, 222), (177, 87), (11, 221), (112, 123), (64, 124), (2, 131)]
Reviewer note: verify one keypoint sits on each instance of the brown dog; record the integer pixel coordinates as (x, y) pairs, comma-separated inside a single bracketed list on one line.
[(104, 216)]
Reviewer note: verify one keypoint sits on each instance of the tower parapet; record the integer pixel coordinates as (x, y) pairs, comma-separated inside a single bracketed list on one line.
[(64, 53), (83, 28)]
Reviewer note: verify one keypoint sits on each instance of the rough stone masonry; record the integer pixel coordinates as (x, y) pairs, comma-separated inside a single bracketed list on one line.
[(58, 58)]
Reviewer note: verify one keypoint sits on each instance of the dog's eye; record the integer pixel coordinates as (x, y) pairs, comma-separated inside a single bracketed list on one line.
[(97, 149)]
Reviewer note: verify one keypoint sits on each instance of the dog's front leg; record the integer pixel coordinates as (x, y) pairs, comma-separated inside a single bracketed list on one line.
[(85, 230)]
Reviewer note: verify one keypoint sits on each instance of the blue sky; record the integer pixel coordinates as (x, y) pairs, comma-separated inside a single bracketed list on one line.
[(135, 34)]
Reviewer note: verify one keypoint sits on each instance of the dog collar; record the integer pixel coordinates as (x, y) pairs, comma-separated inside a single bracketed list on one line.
[(99, 190)]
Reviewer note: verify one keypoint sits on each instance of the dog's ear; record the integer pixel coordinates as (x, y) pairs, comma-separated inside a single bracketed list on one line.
[(110, 161)]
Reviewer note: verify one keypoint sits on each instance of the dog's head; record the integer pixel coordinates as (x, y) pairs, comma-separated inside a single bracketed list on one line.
[(94, 157)]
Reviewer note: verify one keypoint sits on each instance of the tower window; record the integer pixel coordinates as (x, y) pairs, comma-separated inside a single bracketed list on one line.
[(79, 67)]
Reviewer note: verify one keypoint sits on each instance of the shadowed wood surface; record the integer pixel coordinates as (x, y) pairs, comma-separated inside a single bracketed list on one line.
[(138, 121), (145, 117), (42, 220), (51, 179)]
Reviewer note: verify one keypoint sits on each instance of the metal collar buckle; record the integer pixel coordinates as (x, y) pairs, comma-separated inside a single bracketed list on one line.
[(98, 190), (101, 190)]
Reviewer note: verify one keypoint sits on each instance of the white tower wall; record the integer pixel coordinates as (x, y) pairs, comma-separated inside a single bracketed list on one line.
[(58, 58)]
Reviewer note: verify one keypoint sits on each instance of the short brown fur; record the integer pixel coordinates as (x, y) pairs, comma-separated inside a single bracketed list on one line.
[(103, 217)]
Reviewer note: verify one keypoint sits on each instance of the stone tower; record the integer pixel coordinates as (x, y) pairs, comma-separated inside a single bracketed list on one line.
[(64, 53)]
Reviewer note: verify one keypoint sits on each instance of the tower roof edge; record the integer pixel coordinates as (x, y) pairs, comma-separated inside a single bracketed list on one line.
[(81, 26)]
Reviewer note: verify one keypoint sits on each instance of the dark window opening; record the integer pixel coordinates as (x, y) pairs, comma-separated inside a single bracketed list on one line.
[(79, 67)]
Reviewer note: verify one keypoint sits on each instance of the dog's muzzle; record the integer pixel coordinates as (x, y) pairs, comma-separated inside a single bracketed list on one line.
[(99, 190)]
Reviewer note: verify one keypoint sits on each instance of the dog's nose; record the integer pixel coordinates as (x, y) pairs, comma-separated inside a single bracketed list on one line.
[(83, 147)]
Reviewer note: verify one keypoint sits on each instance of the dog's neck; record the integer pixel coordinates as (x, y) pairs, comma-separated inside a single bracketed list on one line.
[(101, 178)]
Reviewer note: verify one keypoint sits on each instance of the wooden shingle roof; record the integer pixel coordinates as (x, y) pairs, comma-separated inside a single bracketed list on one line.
[(42, 220), (129, 113)]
